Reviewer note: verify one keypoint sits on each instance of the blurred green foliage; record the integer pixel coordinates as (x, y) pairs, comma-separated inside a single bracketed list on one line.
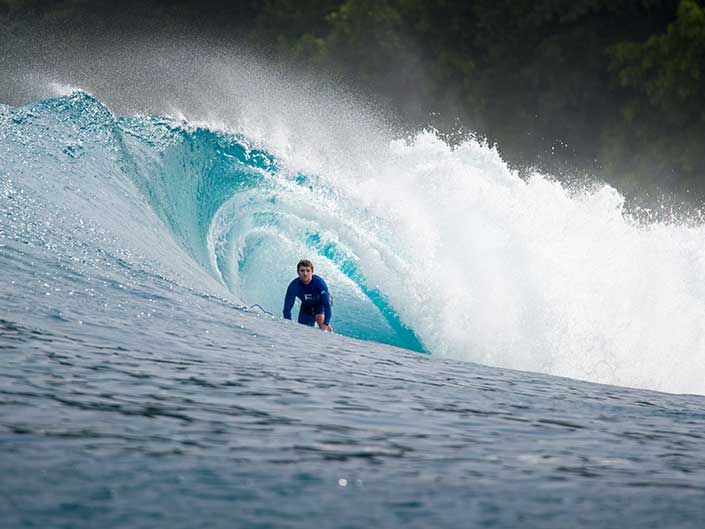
[(663, 116), (610, 88)]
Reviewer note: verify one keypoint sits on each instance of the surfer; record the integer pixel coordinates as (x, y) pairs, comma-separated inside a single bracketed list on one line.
[(314, 296)]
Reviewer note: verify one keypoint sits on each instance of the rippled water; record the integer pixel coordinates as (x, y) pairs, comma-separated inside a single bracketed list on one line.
[(235, 420)]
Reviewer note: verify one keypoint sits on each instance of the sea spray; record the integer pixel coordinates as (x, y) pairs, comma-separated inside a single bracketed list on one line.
[(532, 274)]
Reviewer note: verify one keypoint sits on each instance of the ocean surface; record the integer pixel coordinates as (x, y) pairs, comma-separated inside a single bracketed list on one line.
[(508, 352)]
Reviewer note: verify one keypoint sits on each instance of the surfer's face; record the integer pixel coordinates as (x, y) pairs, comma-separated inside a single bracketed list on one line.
[(305, 274)]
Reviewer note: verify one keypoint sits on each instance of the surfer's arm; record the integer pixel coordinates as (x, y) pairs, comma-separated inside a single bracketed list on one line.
[(325, 303), (289, 300), (324, 326)]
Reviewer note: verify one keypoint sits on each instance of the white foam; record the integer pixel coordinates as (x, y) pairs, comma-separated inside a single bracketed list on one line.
[(534, 276), (59, 89)]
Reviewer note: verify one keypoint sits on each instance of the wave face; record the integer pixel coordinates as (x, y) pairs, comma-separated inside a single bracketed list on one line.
[(431, 247), (193, 203)]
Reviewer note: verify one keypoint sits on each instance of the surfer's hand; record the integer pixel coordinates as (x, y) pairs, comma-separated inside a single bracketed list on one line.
[(325, 327)]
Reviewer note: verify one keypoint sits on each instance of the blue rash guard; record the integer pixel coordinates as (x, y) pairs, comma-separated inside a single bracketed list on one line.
[(314, 300)]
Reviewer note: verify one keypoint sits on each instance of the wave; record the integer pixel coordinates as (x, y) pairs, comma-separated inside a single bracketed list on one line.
[(194, 201), (432, 247)]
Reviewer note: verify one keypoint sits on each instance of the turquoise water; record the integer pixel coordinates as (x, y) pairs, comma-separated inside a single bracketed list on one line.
[(141, 387)]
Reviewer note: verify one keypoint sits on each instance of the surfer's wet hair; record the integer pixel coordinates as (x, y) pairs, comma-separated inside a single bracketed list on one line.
[(304, 263)]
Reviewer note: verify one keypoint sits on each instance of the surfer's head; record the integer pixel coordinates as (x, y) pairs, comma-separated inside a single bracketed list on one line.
[(305, 270), (304, 263)]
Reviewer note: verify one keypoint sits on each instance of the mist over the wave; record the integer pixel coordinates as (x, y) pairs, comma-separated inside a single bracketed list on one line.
[(296, 113), (480, 264)]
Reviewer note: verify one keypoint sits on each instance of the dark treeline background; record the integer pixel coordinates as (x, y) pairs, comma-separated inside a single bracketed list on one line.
[(610, 88)]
